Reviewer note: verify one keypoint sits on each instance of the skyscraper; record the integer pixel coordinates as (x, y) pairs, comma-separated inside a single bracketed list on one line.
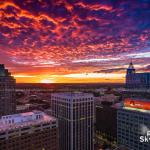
[(75, 113), (29, 131), (7, 92), (133, 124)]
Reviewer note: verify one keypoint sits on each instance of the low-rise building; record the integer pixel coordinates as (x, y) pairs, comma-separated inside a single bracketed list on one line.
[(28, 131)]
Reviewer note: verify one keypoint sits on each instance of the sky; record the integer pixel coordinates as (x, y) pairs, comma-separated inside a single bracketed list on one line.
[(74, 41)]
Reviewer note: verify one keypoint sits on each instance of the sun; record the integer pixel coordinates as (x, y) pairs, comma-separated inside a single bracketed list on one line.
[(47, 81)]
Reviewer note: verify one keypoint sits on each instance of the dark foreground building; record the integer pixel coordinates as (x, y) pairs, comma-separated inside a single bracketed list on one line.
[(137, 80), (106, 122), (28, 131), (7, 92)]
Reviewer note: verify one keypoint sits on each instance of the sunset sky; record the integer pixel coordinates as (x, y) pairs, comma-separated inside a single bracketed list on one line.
[(74, 40)]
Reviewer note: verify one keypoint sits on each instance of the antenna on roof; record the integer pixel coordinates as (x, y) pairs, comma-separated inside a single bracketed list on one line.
[(131, 62)]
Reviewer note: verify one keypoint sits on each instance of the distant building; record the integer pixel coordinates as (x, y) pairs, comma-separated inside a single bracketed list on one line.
[(110, 98), (133, 124), (22, 108), (7, 92), (137, 80), (75, 113), (28, 131)]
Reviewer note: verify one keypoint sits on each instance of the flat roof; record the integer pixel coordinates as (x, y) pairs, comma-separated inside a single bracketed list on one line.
[(72, 94), (138, 99), (142, 73), (136, 109), (116, 105), (143, 105), (21, 120)]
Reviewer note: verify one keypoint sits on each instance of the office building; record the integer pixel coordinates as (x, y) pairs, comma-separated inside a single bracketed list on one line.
[(133, 124), (106, 123), (75, 113), (28, 131), (137, 80), (7, 92)]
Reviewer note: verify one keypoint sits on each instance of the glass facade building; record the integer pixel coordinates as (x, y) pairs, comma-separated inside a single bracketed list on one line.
[(7, 92)]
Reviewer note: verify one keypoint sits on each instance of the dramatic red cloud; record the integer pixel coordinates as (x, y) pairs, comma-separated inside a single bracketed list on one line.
[(62, 40), (96, 7)]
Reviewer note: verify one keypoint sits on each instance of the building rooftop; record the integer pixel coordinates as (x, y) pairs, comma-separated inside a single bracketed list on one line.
[(143, 73), (142, 105), (3, 71), (131, 65), (72, 94), (20, 120), (136, 109), (116, 105), (138, 99)]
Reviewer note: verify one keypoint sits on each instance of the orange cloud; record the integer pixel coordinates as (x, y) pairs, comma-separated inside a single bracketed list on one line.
[(62, 38), (95, 6)]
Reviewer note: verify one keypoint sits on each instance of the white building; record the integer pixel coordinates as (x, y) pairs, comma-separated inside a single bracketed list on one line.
[(31, 130), (75, 113), (133, 124)]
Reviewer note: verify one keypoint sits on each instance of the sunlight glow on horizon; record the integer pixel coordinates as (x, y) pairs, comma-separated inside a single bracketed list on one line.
[(95, 75), (47, 81), (72, 78)]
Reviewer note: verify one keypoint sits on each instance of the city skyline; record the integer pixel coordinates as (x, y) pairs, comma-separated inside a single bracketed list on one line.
[(81, 41)]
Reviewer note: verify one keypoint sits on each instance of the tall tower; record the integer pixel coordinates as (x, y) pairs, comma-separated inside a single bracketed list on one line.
[(7, 92), (131, 69), (130, 76), (75, 113)]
